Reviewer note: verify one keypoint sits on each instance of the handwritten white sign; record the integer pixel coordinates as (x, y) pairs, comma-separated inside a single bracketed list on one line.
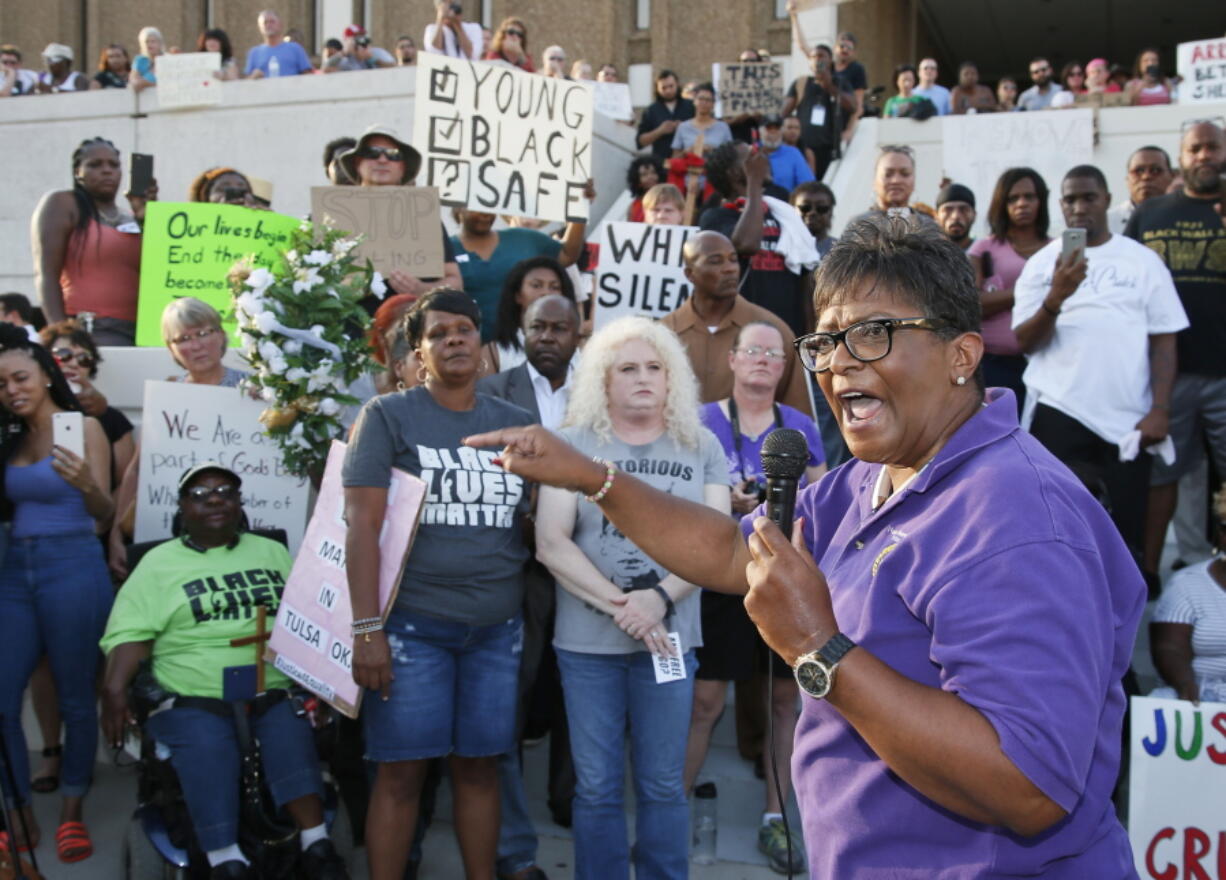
[(184, 425), (1202, 64), (186, 79), (499, 140), (1177, 788), (978, 148), (613, 100), (640, 270)]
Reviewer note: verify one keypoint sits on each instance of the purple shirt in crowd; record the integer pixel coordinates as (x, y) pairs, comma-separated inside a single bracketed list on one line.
[(748, 465), (993, 575)]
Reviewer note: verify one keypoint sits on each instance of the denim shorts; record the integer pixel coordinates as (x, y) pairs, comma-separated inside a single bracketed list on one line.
[(454, 690)]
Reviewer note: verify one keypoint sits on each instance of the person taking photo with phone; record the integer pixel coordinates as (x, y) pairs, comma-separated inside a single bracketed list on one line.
[(1097, 315), (451, 35), (55, 592)]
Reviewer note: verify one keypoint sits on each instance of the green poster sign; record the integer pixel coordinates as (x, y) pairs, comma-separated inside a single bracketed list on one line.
[(188, 249)]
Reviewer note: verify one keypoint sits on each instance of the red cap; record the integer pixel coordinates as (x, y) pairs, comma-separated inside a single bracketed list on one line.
[(355, 30)]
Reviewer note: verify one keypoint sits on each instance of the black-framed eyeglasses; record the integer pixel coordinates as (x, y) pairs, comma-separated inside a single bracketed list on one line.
[(866, 341), (225, 492), (63, 356), (391, 154)]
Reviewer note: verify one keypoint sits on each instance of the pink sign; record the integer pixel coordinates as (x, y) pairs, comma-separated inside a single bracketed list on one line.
[(310, 641)]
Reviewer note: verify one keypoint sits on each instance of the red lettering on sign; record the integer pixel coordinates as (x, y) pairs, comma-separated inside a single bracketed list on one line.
[(1196, 846), (1216, 755), (1170, 872)]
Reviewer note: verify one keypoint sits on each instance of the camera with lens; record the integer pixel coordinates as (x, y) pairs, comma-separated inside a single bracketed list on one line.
[(755, 488)]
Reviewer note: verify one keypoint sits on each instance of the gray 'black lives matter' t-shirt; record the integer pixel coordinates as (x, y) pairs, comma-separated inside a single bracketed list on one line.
[(665, 465), (467, 561)]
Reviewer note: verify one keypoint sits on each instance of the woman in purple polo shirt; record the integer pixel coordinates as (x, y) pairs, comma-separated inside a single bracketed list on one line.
[(977, 604)]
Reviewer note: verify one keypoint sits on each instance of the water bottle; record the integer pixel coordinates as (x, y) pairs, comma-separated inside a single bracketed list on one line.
[(274, 66), (706, 810)]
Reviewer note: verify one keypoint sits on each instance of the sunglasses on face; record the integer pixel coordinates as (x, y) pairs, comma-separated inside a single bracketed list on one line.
[(513, 32), (225, 492), (391, 154), (810, 208), (65, 356)]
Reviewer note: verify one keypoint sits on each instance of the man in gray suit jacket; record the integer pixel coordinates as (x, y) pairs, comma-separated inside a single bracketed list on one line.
[(541, 385)]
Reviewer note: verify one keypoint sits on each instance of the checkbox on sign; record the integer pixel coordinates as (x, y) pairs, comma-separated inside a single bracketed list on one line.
[(451, 178), (444, 84), (446, 136)]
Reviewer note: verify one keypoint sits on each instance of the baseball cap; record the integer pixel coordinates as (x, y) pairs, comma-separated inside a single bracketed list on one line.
[(956, 192), (355, 30), (772, 120), (191, 473), (58, 51)]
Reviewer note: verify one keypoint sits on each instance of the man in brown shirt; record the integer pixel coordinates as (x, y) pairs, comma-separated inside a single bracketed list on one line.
[(709, 321)]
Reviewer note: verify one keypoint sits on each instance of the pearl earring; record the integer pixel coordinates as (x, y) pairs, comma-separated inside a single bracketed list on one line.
[(961, 380)]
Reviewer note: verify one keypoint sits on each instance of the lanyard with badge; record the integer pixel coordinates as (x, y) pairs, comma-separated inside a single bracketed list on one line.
[(737, 440)]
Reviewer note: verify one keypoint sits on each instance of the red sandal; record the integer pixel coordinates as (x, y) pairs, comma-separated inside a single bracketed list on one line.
[(72, 843)]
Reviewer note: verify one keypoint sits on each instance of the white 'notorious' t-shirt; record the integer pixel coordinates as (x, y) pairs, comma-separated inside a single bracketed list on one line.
[(1095, 366)]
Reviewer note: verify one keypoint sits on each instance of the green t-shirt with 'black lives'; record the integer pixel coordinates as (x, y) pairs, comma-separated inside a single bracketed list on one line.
[(192, 604)]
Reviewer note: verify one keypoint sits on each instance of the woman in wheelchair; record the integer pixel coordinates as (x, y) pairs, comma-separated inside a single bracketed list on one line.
[(184, 605)]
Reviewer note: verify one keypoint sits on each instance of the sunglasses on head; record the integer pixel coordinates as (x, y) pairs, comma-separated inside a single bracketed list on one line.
[(391, 154), (65, 356)]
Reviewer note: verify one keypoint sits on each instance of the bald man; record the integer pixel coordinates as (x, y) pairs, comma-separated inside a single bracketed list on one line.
[(1187, 230), (709, 321)]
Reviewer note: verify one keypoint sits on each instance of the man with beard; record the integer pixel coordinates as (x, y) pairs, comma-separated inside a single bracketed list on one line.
[(1187, 230), (788, 166), (1038, 96), (660, 120), (1149, 176), (956, 213)]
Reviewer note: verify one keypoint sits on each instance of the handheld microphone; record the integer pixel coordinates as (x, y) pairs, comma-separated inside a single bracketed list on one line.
[(785, 453)]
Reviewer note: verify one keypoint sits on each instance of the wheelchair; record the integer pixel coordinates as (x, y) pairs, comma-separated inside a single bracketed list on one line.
[(159, 843)]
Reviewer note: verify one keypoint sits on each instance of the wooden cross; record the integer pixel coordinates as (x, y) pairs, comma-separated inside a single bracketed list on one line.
[(261, 636)]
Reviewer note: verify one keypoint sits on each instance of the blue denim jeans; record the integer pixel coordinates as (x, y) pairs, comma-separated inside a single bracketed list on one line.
[(205, 754), (517, 841), (605, 694), (453, 692), (55, 595)]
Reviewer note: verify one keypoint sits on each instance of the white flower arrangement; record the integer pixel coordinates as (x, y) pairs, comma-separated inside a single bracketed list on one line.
[(300, 326)]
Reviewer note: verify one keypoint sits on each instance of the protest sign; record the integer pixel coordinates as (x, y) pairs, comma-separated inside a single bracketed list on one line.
[(612, 99), (497, 139), (311, 641), (190, 248), (640, 270), (1202, 64), (399, 225), (183, 425), (186, 79), (1177, 788), (976, 149), (748, 87)]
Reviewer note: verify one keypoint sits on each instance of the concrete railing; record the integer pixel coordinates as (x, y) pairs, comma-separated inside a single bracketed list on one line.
[(1118, 131), (274, 129)]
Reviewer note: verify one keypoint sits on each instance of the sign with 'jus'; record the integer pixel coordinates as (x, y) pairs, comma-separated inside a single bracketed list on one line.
[(499, 140), (1177, 789)]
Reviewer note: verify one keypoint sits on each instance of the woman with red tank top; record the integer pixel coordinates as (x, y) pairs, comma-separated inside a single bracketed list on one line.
[(87, 249)]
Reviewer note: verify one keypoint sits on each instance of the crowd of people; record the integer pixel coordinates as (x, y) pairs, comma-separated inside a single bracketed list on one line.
[(591, 526)]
